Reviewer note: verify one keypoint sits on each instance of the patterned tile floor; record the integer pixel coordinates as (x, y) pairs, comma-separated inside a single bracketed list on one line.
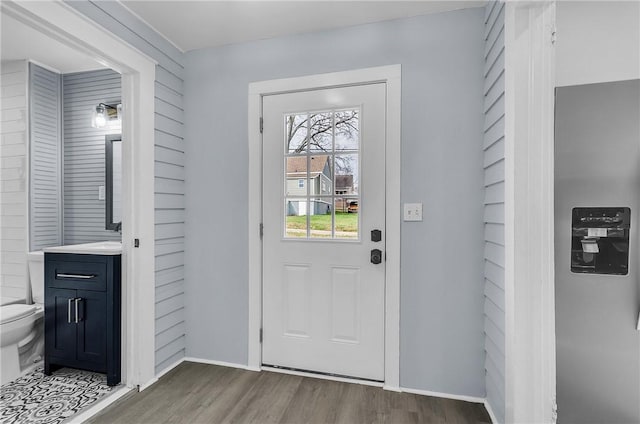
[(38, 399)]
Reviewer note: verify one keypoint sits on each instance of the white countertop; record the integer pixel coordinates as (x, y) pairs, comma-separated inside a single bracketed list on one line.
[(99, 248)]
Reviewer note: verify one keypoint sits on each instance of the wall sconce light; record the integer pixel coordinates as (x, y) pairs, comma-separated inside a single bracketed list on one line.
[(104, 113)]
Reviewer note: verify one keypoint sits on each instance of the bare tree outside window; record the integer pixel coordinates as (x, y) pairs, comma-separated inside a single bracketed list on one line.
[(315, 131)]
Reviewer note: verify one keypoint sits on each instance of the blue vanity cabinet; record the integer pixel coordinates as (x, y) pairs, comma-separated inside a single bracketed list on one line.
[(60, 339), (82, 313)]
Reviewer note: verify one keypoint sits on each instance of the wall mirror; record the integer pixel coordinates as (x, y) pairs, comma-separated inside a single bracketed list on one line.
[(113, 174)]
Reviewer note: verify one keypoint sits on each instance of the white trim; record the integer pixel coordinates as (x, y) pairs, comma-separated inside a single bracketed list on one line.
[(529, 215), (473, 399), (101, 405), (323, 376), (487, 406), (391, 75), (219, 363), (63, 23)]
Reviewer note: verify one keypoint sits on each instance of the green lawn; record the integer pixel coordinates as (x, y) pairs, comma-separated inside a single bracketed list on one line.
[(344, 222)]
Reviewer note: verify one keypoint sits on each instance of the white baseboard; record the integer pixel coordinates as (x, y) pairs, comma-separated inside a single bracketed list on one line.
[(220, 363), (487, 406), (444, 395), (323, 377), (100, 405)]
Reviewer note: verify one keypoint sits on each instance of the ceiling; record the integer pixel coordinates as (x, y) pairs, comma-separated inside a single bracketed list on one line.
[(191, 25), (19, 41)]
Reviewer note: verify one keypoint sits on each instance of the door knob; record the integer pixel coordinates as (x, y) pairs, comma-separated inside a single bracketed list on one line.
[(376, 256)]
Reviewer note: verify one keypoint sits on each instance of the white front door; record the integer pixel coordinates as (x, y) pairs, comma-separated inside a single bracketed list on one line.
[(323, 195)]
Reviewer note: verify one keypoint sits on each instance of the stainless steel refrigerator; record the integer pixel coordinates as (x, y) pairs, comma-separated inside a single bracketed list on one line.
[(597, 202)]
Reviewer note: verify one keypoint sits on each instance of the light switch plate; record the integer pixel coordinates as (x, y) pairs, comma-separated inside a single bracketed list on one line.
[(101, 192), (413, 211)]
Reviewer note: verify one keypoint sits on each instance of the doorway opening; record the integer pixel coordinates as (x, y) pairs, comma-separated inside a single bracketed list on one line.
[(78, 33)]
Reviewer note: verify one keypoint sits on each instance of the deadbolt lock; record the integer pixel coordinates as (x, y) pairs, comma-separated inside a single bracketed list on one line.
[(376, 256)]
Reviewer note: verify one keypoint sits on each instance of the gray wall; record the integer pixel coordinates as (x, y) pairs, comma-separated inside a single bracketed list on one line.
[(442, 125), (84, 154), (169, 171), (494, 315), (45, 144), (597, 163)]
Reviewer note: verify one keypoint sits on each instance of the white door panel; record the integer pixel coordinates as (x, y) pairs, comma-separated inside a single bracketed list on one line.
[(323, 192)]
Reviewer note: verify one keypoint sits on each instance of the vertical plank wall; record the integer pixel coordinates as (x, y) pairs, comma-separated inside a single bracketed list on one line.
[(169, 171), (45, 183), (84, 154), (494, 303), (13, 178)]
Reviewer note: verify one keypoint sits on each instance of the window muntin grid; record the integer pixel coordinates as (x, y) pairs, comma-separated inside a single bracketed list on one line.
[(322, 149)]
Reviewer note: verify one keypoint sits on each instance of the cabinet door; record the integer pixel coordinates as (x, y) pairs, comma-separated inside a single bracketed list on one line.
[(60, 326), (92, 326)]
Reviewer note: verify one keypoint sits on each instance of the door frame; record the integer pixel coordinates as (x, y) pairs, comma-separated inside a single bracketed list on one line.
[(530, 368), (75, 30), (391, 76)]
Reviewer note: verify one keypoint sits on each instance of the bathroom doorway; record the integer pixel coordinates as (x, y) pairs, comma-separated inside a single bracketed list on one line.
[(76, 33)]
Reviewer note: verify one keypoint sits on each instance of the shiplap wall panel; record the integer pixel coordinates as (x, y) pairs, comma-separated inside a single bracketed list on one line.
[(494, 152), (168, 276), (494, 213), (170, 290), (84, 154), (45, 97), (170, 334), (494, 134), (14, 76), (494, 110), (165, 353), (168, 95), (169, 202)]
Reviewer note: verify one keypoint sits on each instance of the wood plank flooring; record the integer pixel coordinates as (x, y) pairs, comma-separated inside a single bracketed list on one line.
[(200, 393)]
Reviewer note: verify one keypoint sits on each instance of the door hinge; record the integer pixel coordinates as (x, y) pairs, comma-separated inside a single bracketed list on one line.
[(136, 242), (261, 125), (261, 335), (261, 230)]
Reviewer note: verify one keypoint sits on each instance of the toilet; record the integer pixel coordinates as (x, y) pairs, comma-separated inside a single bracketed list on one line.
[(21, 325)]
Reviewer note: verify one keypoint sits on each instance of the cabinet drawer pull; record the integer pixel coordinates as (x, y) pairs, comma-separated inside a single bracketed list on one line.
[(79, 276), (69, 310)]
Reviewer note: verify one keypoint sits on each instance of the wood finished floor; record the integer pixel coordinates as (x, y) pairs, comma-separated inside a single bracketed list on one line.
[(200, 393)]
